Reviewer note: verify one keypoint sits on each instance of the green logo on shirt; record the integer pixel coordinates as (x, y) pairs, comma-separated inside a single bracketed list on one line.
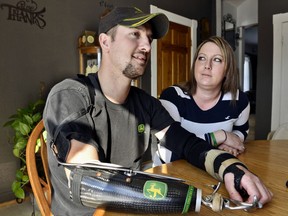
[(155, 190), (141, 128)]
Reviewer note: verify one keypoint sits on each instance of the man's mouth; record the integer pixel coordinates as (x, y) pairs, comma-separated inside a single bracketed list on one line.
[(140, 58)]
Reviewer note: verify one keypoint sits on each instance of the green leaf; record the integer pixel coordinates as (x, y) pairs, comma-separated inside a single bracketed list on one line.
[(19, 193), (39, 104), (24, 128), (14, 116), (16, 152), (23, 111), (44, 135), (19, 175), (15, 185), (8, 123), (38, 142), (37, 117), (28, 119), (25, 178), (21, 143), (37, 147), (15, 125)]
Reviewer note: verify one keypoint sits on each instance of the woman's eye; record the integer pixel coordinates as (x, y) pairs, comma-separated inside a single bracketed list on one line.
[(201, 58), (218, 60)]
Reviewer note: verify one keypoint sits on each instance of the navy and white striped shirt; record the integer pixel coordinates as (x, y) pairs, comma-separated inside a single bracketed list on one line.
[(224, 115)]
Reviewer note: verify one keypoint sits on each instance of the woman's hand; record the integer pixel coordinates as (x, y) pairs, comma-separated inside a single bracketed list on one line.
[(230, 142), (229, 149)]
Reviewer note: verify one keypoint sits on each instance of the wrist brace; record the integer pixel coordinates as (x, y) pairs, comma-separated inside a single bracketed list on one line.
[(218, 163), (140, 193)]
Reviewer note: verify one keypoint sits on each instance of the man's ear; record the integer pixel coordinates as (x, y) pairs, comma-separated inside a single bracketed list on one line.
[(104, 41)]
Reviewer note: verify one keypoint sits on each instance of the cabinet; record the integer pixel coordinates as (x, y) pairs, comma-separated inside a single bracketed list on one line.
[(89, 53), (89, 59)]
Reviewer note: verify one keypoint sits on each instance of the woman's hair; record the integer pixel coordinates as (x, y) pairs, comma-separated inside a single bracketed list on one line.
[(230, 82)]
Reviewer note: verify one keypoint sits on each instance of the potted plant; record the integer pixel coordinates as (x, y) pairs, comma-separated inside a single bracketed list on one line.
[(23, 123)]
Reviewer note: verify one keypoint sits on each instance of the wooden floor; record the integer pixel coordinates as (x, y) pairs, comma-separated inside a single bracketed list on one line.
[(12, 208)]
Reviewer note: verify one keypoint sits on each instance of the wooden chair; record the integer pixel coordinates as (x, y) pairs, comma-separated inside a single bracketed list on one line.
[(41, 187)]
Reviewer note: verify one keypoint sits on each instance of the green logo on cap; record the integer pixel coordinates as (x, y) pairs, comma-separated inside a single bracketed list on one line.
[(155, 190), (141, 128)]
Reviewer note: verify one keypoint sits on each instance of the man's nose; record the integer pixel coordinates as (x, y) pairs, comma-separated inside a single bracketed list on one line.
[(145, 45)]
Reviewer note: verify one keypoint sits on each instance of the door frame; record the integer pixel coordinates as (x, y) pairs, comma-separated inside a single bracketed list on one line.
[(278, 71), (176, 19)]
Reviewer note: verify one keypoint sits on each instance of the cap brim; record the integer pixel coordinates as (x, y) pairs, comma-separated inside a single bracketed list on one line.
[(159, 23)]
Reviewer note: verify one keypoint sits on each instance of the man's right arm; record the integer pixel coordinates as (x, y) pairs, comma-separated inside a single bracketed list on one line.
[(79, 153)]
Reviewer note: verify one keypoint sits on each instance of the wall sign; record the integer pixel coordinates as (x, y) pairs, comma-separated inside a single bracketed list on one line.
[(25, 11), (106, 4)]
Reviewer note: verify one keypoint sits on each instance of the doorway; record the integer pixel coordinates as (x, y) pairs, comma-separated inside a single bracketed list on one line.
[(250, 64), (280, 76), (249, 71), (192, 24)]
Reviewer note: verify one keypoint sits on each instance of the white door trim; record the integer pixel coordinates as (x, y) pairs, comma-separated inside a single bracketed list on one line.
[(177, 19), (278, 72)]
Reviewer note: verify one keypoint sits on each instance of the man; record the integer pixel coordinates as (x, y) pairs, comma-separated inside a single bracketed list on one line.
[(117, 128)]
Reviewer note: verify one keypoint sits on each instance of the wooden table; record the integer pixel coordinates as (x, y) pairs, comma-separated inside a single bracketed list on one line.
[(267, 159)]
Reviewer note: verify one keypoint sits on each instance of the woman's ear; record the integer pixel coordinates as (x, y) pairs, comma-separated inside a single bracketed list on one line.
[(104, 41)]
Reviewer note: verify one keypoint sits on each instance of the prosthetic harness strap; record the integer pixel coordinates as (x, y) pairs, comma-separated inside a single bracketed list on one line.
[(86, 80)]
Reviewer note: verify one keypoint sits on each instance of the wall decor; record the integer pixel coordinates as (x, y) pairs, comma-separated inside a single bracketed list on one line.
[(105, 4), (25, 11), (229, 30)]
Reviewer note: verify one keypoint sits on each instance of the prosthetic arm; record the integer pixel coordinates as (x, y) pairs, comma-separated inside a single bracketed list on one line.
[(118, 189)]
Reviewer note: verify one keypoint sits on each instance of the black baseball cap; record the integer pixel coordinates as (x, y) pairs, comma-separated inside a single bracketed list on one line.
[(133, 17)]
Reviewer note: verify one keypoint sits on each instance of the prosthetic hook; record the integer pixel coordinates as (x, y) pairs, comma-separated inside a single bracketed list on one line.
[(217, 203)]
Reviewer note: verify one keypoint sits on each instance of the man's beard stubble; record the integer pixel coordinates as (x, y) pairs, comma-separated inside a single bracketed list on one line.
[(131, 72)]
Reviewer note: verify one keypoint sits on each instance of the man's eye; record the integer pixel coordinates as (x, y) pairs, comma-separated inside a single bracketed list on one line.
[(135, 34)]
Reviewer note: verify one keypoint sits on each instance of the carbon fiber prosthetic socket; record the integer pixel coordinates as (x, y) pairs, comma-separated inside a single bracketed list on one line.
[(138, 193)]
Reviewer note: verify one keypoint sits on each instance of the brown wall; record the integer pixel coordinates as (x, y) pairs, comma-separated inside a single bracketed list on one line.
[(32, 57)]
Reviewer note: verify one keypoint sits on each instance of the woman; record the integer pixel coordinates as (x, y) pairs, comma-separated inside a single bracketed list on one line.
[(211, 104)]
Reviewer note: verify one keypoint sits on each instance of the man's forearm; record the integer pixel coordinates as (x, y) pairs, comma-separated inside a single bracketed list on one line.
[(198, 152)]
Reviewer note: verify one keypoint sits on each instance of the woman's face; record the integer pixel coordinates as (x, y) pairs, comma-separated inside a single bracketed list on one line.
[(209, 66)]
